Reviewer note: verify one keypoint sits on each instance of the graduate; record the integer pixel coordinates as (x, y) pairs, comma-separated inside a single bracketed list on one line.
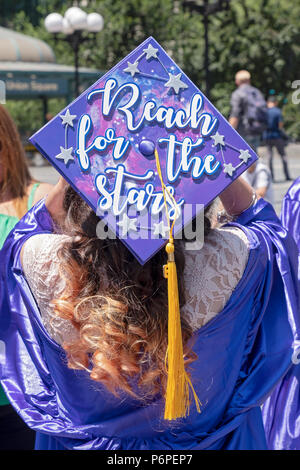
[(117, 331)]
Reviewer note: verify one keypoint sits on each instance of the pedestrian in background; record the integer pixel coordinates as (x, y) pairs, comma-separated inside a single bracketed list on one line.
[(259, 177), (248, 113), (275, 137), (18, 193)]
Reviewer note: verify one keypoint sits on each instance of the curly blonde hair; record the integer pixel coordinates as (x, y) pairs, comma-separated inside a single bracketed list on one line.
[(118, 307)]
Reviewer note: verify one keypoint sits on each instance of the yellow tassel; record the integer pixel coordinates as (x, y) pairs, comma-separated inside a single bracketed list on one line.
[(177, 398)]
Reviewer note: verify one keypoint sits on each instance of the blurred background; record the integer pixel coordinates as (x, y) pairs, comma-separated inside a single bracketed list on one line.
[(210, 41)]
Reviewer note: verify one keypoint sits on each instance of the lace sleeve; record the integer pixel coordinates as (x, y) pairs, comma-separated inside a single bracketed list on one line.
[(41, 269), (212, 273)]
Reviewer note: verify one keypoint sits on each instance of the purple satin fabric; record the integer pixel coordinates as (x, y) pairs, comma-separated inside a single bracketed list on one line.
[(290, 213), (242, 354), (281, 412)]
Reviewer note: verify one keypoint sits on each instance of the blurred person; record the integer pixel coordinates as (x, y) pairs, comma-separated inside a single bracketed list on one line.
[(274, 136), (18, 193), (248, 113), (94, 328), (38, 159), (259, 177)]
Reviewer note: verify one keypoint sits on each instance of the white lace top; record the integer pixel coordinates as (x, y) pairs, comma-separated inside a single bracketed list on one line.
[(211, 274)]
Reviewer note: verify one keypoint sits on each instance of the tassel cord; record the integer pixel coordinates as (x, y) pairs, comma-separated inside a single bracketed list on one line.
[(177, 401)]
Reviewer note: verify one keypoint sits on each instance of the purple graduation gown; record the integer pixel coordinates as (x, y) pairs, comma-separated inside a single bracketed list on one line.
[(242, 354), (281, 412)]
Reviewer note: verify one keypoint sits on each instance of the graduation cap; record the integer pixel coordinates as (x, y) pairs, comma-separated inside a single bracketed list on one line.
[(147, 150)]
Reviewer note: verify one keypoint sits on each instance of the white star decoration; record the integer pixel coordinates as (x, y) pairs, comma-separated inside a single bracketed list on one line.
[(160, 229), (244, 155), (150, 52), (218, 139), (65, 155), (127, 224), (68, 118), (175, 82), (132, 68), (229, 169), (65, 152)]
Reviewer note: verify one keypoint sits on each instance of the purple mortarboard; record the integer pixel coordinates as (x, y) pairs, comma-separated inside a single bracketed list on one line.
[(103, 144)]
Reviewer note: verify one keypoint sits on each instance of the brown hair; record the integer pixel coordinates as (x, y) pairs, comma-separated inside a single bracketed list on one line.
[(118, 307), (14, 169)]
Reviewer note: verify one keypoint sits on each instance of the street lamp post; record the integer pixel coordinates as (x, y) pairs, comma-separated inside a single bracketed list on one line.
[(206, 48), (73, 28), (205, 9)]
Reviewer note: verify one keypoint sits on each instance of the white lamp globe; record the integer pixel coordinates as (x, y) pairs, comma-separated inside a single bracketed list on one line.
[(66, 27), (70, 11), (54, 23), (95, 22), (77, 19)]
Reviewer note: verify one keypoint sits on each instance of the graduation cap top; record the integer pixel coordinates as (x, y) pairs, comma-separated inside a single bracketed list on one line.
[(103, 144), (140, 146)]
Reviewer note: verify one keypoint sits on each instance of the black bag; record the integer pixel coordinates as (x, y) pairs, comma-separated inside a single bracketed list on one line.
[(255, 116)]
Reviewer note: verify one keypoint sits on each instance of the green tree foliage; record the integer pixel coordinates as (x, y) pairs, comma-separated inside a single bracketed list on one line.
[(262, 36)]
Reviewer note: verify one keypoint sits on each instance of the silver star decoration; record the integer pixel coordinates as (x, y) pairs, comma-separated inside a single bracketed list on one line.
[(218, 139), (150, 52), (127, 224), (229, 169), (132, 68), (65, 155), (244, 155), (175, 82), (68, 118), (160, 229)]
